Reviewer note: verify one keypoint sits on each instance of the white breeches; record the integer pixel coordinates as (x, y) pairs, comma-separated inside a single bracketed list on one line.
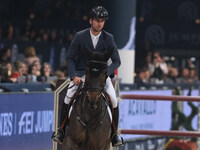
[(108, 88)]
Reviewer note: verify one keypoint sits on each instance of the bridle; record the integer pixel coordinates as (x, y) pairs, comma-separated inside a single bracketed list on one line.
[(96, 70)]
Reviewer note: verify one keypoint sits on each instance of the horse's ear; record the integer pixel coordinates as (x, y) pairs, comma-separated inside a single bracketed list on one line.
[(88, 52), (109, 53)]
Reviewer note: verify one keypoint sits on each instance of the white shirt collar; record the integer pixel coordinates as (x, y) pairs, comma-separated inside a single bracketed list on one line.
[(95, 39), (93, 36)]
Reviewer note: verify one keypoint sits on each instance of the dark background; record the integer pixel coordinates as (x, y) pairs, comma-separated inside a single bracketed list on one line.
[(171, 27)]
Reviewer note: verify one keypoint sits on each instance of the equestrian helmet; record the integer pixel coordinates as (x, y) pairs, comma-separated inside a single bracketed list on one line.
[(99, 12)]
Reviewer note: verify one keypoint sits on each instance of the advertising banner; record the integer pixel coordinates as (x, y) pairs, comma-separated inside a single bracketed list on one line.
[(145, 114), (170, 35), (26, 121)]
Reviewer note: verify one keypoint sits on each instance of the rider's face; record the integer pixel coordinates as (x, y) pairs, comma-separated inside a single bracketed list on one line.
[(97, 24)]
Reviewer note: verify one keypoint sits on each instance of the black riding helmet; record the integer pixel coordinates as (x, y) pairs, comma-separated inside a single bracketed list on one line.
[(99, 12)]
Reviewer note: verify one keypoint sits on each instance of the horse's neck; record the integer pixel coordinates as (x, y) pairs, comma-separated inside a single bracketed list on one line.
[(88, 114), (94, 113)]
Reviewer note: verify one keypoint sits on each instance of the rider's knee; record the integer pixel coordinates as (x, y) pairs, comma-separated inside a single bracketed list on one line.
[(114, 102)]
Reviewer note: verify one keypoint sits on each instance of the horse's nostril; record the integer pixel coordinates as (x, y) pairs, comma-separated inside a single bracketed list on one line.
[(92, 107)]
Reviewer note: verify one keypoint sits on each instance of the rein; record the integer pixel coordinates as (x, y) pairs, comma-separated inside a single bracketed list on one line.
[(89, 124), (71, 86)]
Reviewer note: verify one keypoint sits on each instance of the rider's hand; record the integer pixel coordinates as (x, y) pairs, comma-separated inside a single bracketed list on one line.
[(77, 80)]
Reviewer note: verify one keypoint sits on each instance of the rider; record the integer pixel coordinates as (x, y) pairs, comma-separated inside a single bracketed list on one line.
[(99, 40)]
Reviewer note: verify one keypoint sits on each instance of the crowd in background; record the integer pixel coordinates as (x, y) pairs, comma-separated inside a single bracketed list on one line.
[(156, 70), (37, 21), (27, 33), (41, 21), (29, 70), (44, 9)]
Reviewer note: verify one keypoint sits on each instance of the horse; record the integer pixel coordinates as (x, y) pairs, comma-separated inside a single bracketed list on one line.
[(90, 123)]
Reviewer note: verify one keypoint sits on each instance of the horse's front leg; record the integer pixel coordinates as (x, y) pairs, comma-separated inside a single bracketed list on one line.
[(75, 136)]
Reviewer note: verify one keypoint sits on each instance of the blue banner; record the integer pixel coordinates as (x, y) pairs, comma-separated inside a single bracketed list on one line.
[(26, 121)]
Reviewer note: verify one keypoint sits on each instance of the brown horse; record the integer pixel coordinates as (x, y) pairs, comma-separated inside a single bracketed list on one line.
[(90, 124)]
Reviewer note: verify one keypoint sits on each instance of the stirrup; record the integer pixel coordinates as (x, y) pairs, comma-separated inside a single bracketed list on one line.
[(117, 142), (58, 136)]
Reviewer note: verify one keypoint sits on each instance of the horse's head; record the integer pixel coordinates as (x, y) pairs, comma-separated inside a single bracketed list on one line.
[(96, 74)]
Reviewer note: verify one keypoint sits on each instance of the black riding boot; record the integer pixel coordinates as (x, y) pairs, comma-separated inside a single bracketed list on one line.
[(117, 140), (59, 134)]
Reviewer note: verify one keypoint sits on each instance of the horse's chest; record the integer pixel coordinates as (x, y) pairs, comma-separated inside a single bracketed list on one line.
[(93, 134)]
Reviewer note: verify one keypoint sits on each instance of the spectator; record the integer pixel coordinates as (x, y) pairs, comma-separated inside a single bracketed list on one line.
[(26, 30), (193, 76), (173, 75), (158, 68), (38, 66), (20, 69), (5, 55), (147, 76), (4, 74), (30, 55), (33, 35), (184, 76), (140, 76), (189, 64), (32, 73), (60, 75), (45, 37), (8, 31), (53, 37), (143, 76), (45, 72), (10, 69), (24, 70)]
